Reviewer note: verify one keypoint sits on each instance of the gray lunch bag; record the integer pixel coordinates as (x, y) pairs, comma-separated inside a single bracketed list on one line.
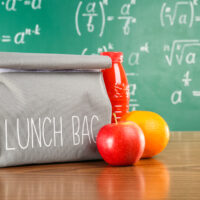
[(51, 107)]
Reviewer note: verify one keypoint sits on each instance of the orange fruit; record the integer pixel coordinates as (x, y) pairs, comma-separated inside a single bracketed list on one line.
[(155, 129)]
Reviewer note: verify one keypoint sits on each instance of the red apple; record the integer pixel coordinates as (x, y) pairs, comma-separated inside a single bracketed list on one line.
[(121, 143)]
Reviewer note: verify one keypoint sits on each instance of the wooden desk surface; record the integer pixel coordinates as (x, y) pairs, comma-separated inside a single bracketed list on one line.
[(174, 174)]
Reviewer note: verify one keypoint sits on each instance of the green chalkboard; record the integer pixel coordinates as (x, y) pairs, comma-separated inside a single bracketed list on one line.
[(159, 38)]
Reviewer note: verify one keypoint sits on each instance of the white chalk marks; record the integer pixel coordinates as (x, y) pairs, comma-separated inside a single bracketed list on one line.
[(176, 97), (20, 37), (177, 52), (95, 11), (12, 5), (175, 15)]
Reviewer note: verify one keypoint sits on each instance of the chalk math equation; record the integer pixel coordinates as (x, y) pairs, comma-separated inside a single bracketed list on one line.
[(12, 5), (181, 51), (178, 95), (177, 52), (173, 15), (89, 11), (20, 37)]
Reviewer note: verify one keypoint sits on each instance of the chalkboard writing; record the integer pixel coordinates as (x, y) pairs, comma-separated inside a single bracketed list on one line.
[(20, 37), (159, 38), (11, 5)]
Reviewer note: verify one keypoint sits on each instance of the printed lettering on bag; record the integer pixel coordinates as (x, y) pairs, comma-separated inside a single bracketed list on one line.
[(48, 132)]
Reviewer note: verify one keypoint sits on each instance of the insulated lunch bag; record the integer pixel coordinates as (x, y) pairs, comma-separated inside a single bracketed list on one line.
[(51, 107)]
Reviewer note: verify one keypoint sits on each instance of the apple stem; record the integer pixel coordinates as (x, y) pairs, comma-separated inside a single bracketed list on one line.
[(115, 117)]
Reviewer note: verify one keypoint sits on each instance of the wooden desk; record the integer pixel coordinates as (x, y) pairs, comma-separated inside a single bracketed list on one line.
[(174, 174)]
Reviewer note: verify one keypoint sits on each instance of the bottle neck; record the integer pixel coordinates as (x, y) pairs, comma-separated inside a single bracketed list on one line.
[(116, 63)]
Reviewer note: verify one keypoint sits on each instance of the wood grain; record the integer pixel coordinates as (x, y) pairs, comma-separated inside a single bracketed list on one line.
[(174, 174)]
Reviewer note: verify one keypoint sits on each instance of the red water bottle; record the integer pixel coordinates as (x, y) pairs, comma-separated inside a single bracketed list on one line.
[(117, 85)]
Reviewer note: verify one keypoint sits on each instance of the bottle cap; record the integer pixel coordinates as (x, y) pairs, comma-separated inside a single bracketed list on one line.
[(115, 56)]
